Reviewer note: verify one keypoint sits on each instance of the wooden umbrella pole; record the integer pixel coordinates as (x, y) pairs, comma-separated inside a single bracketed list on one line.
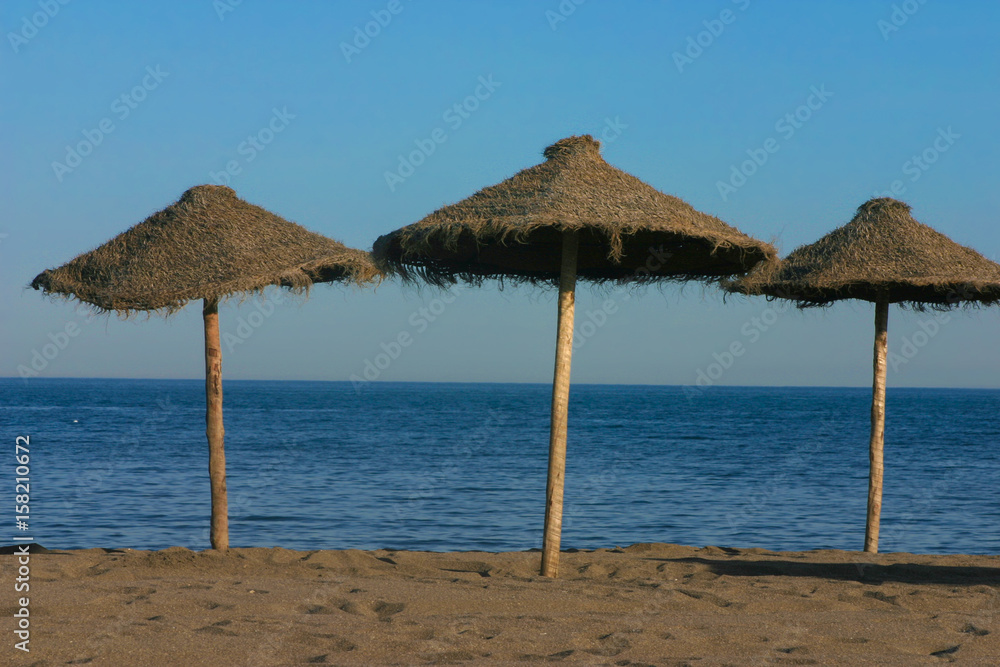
[(214, 428), (878, 425), (560, 408)]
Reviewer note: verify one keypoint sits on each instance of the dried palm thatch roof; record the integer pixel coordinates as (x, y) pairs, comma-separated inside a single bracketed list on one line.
[(882, 251), (207, 245), (513, 229)]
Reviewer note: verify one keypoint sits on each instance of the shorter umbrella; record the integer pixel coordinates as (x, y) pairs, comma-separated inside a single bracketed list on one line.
[(884, 256), (208, 245)]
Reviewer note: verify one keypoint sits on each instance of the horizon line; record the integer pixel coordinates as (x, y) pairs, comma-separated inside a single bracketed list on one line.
[(575, 384)]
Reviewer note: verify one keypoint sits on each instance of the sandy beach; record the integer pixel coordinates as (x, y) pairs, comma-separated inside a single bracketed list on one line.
[(647, 604)]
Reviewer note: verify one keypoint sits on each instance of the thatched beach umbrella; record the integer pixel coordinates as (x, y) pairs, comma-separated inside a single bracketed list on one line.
[(207, 245), (884, 256), (572, 216)]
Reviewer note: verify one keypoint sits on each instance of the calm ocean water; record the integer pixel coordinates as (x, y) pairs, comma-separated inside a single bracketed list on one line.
[(123, 463)]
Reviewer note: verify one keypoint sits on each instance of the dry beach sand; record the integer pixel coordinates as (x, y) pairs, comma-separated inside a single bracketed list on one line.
[(648, 604)]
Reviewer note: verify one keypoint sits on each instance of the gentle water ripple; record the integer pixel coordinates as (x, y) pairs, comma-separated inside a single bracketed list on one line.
[(462, 467)]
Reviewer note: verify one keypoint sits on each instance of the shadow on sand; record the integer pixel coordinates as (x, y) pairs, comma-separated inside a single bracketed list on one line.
[(867, 572)]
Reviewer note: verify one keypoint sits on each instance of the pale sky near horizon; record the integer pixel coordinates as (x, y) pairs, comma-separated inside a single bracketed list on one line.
[(112, 110)]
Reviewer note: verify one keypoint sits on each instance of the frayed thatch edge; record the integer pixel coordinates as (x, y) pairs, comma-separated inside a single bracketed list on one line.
[(297, 281), (127, 314), (412, 267), (952, 297), (417, 242)]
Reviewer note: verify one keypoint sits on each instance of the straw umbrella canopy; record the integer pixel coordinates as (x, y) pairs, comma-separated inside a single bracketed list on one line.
[(208, 245), (884, 256), (572, 216)]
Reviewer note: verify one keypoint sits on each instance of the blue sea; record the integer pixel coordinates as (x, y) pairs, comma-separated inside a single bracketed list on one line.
[(442, 467)]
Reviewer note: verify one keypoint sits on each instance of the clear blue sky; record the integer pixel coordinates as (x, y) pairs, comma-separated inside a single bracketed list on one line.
[(199, 79)]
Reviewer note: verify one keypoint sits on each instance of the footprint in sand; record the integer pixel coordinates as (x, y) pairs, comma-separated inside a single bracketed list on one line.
[(882, 597), (947, 653), (139, 593), (701, 577), (386, 610), (458, 628), (212, 606), (218, 629), (320, 609), (598, 571), (973, 630), (422, 634), (552, 657), (610, 645), (336, 643), (470, 567), (709, 597), (450, 657), (383, 611)]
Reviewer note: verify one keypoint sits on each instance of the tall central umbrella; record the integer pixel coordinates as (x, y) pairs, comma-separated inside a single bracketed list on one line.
[(572, 216), (884, 256), (207, 245)]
